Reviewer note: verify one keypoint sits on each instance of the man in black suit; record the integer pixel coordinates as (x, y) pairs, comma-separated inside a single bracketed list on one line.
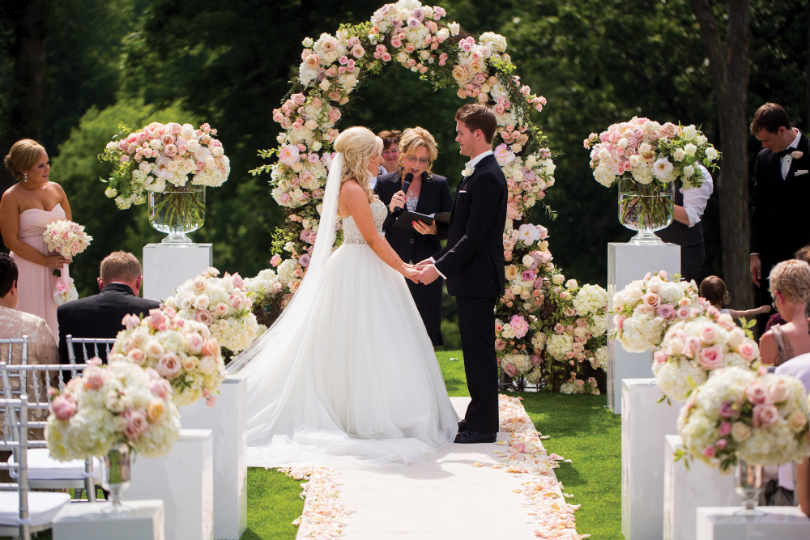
[(779, 196), (99, 316), (473, 265)]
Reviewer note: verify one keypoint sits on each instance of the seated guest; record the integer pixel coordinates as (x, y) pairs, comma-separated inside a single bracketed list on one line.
[(714, 289), (99, 316), (789, 282), (799, 367), (416, 188), (803, 255), (16, 324)]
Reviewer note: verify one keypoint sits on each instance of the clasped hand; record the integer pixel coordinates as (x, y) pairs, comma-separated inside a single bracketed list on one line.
[(423, 272)]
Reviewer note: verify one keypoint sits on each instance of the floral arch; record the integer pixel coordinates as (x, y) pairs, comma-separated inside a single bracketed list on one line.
[(548, 328)]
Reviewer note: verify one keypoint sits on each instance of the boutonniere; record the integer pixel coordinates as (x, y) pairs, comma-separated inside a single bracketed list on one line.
[(797, 154), (467, 172)]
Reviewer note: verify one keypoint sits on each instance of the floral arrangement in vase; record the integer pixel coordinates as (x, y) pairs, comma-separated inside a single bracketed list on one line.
[(222, 304), (693, 350), (180, 350), (647, 157), (110, 405), (271, 290), (646, 308), (739, 415)]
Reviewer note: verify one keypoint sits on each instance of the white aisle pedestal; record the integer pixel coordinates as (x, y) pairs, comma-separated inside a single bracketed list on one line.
[(626, 263), (687, 489), (184, 480), (136, 520), (775, 523), (645, 424), (227, 420), (165, 266)]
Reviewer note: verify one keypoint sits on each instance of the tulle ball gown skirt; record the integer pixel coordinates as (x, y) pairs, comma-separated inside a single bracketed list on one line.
[(355, 375)]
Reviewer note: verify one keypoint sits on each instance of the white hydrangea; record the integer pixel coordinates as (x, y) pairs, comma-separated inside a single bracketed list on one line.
[(590, 299), (559, 345)]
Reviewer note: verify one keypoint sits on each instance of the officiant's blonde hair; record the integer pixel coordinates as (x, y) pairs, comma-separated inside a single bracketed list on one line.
[(358, 145)]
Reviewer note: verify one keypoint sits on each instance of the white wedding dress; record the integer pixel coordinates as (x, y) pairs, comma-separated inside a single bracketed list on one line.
[(348, 369)]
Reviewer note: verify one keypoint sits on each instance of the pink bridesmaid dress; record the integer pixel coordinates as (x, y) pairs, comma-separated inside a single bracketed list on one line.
[(36, 283)]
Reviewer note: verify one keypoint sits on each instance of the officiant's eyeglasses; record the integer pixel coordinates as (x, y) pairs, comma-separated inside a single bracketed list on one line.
[(413, 159)]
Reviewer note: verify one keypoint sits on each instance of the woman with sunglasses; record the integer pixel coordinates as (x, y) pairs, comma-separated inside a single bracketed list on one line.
[(414, 187)]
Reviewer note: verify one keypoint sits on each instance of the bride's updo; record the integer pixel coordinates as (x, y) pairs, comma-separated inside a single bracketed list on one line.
[(358, 145)]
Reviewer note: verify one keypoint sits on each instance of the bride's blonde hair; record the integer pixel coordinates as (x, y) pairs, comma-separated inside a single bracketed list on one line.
[(358, 145)]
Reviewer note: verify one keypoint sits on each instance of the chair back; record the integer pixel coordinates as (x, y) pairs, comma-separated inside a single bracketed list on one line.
[(89, 347), (14, 351), (17, 419)]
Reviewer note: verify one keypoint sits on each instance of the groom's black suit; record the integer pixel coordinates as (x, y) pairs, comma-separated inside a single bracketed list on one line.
[(473, 264), (779, 224)]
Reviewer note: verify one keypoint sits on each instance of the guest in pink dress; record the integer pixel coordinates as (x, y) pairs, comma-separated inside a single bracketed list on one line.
[(25, 210)]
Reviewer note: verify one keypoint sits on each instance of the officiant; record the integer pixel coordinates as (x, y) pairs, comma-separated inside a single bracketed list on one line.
[(419, 205)]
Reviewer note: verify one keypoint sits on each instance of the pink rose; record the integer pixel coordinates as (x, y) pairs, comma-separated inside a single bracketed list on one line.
[(130, 321), (709, 451), (665, 311), (777, 391), (725, 428), (748, 350), (136, 424), (708, 334), (765, 415), (722, 443), (203, 316), (160, 388), (660, 357), (157, 320), (711, 357), (728, 409), (93, 378), (168, 366), (210, 348), (683, 313), (756, 392), (136, 356), (194, 343), (63, 407), (509, 368)]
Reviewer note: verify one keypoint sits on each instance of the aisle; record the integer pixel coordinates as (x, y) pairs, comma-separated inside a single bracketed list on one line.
[(500, 490)]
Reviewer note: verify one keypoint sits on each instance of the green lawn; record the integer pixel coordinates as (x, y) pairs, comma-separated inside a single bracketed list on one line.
[(580, 429)]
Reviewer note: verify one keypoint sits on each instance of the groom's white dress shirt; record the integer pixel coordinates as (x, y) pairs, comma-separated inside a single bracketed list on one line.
[(787, 159)]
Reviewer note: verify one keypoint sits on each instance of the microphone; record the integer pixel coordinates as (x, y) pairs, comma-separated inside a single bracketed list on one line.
[(406, 182)]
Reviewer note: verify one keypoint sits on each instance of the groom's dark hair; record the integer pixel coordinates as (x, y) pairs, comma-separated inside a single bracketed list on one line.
[(476, 116), (770, 117)]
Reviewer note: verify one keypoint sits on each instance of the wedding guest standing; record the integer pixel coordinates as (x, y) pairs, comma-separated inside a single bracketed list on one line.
[(416, 188), (100, 315), (686, 229), (780, 191), (790, 286), (26, 208), (390, 139)]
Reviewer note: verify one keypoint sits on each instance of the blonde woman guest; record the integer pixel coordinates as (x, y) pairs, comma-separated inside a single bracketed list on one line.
[(26, 208), (415, 187), (790, 288), (348, 368)]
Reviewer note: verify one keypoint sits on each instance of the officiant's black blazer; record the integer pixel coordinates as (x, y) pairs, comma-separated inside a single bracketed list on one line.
[(98, 316), (779, 207), (473, 260), (434, 196)]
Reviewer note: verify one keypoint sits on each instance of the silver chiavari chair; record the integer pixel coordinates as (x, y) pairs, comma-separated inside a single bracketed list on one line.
[(24, 512), (45, 472), (90, 347)]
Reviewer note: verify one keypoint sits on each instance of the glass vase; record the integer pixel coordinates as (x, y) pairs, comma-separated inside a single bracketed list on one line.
[(644, 208), (748, 483), (177, 212), (118, 462)]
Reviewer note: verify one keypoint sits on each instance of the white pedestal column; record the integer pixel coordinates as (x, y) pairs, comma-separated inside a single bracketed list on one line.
[(227, 420), (775, 523), (136, 520), (184, 480), (645, 423), (687, 489), (165, 266), (626, 263)]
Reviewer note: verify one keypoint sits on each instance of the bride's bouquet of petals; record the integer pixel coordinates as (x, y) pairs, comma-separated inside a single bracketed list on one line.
[(645, 308), (222, 304), (182, 351), (109, 405), (650, 152), (66, 238), (163, 156), (738, 415), (693, 350)]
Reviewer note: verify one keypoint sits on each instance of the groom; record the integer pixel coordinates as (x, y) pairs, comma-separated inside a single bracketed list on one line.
[(473, 265)]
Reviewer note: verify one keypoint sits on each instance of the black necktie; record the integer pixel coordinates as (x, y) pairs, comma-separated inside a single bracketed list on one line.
[(784, 152)]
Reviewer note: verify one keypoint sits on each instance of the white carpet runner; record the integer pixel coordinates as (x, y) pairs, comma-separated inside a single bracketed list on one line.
[(479, 491)]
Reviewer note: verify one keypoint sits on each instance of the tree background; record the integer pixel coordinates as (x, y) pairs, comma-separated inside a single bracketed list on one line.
[(76, 70)]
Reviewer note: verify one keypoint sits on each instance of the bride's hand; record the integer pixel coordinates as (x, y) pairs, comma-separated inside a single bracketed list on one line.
[(410, 272)]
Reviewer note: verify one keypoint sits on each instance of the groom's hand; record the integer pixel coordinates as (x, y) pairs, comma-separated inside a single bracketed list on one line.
[(428, 274), (424, 262)]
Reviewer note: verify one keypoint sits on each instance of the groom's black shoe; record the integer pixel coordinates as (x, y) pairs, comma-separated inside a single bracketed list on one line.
[(462, 426), (472, 437)]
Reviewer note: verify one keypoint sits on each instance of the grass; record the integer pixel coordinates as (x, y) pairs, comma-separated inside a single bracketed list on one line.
[(274, 501)]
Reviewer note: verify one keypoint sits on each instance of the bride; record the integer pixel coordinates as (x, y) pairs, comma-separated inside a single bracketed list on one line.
[(348, 369)]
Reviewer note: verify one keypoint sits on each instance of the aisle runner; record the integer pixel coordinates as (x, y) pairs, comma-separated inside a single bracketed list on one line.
[(502, 490)]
